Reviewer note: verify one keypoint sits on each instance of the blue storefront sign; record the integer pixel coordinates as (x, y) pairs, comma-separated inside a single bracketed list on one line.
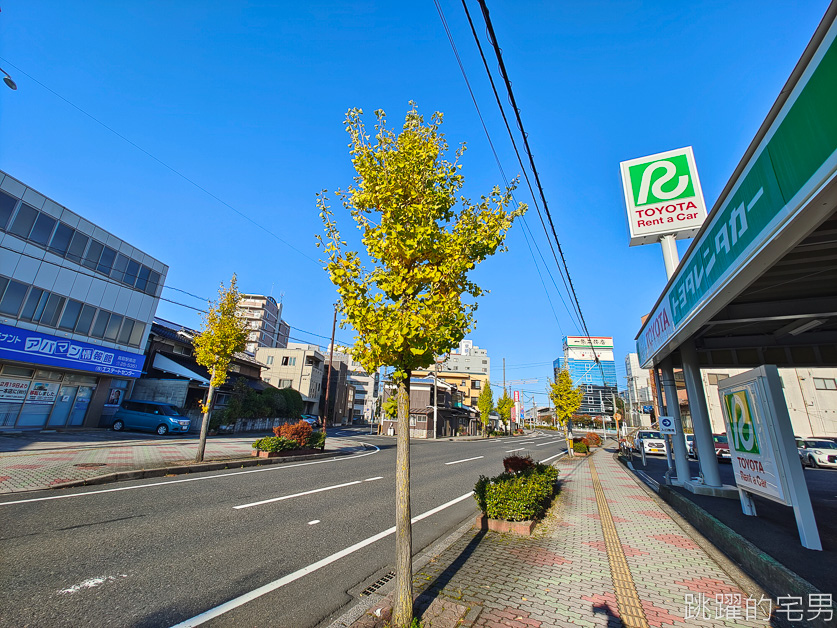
[(34, 347)]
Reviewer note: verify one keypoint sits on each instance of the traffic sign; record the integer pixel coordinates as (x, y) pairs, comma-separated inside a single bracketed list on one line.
[(667, 425)]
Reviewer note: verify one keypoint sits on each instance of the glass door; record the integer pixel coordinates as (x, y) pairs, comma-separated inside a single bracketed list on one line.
[(81, 404), (63, 406)]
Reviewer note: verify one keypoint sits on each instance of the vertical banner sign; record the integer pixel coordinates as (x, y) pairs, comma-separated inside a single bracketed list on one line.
[(762, 446), (663, 196), (516, 396)]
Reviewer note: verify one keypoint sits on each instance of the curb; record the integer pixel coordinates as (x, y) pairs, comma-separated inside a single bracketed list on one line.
[(765, 570), (197, 467)]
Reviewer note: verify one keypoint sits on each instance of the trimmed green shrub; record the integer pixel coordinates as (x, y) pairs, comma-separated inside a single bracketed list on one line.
[(517, 496), (274, 444), (317, 440), (580, 447)]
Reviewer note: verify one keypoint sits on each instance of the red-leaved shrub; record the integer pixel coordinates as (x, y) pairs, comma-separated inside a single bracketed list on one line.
[(298, 432), (516, 464), (593, 439)]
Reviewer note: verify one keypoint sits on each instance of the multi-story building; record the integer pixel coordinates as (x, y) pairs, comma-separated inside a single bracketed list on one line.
[(265, 327), (433, 409), (468, 359), (298, 366), (639, 399), (76, 305), (365, 387), (590, 363), (468, 386), (335, 380)]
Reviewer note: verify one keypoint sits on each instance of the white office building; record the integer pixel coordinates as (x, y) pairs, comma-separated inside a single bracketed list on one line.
[(76, 305)]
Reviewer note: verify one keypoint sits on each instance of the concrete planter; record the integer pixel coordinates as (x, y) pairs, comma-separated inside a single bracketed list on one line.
[(523, 528), (287, 452)]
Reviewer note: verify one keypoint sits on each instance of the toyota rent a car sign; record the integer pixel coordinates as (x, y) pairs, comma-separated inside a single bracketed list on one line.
[(663, 196)]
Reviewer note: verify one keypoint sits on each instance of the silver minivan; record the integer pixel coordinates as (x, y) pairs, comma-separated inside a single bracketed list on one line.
[(150, 416)]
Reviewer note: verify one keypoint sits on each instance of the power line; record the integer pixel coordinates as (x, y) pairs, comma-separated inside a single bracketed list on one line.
[(500, 167), (160, 161), (502, 66)]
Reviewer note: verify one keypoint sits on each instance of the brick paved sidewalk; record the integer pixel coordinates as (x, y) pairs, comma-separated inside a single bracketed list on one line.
[(39, 469), (564, 574)]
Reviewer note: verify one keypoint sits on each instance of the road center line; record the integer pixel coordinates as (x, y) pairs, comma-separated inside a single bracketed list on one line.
[(311, 492), (299, 573), (466, 460), (518, 449), (205, 477), (549, 443)]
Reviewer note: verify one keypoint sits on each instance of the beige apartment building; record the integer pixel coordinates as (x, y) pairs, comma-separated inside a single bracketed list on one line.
[(467, 385), (298, 366), (265, 327)]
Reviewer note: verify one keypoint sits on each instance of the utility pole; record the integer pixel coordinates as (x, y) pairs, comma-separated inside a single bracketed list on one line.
[(328, 377), (504, 374), (435, 397)]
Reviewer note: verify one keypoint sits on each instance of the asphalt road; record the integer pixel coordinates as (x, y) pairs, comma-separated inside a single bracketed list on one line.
[(164, 551)]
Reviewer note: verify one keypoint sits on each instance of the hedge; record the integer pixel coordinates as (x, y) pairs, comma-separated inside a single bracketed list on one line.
[(519, 496)]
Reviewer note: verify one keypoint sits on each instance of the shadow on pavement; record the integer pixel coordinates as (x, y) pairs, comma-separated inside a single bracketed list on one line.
[(432, 591), (774, 530)]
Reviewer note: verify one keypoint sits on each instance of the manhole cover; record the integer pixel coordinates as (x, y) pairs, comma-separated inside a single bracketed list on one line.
[(90, 465)]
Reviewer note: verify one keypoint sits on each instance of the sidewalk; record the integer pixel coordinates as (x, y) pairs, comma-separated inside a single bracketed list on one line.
[(608, 555), (28, 464)]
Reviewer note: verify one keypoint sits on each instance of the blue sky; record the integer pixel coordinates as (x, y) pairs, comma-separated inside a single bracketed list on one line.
[(246, 100)]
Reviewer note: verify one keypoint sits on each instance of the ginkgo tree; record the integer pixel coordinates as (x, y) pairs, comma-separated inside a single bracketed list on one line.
[(504, 406), (485, 403), (567, 400), (404, 298), (223, 333)]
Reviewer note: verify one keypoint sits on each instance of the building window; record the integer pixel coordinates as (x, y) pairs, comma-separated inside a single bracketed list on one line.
[(285, 383), (821, 383), (285, 360), (269, 360), (475, 384), (12, 296)]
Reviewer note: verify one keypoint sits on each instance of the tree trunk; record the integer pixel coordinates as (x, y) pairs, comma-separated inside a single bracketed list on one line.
[(210, 396), (402, 611)]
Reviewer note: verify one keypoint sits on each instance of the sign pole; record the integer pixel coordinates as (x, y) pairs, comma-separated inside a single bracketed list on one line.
[(670, 255)]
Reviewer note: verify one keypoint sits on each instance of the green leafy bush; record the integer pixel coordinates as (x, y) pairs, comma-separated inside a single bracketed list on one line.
[(517, 496), (317, 440), (580, 447), (275, 444)]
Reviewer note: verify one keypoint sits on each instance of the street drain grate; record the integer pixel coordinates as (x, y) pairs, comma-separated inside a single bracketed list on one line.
[(90, 465), (372, 588)]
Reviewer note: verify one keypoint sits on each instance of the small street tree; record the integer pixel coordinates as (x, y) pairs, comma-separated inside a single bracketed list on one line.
[(408, 306), (223, 334), (485, 404), (566, 398), (504, 406)]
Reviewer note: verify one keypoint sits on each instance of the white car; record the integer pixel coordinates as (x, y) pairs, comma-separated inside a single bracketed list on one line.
[(817, 452), (650, 440)]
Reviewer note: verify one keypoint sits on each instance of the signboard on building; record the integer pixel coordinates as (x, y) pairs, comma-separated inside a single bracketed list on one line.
[(13, 390), (663, 196), (762, 446), (796, 157), (598, 342), (33, 347), (517, 395)]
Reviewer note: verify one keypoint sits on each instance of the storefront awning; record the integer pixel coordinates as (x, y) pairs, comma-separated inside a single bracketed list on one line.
[(162, 363)]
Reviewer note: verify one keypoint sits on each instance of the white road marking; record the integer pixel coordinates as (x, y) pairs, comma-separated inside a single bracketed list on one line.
[(549, 443), (313, 523), (377, 477), (284, 497), (206, 477), (466, 460), (518, 449), (563, 453), (91, 583), (299, 573)]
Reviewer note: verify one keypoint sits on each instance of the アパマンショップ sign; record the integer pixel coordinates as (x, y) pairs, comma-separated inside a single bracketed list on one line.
[(663, 196)]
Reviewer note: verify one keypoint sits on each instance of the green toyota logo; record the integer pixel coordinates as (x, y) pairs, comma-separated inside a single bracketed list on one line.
[(661, 180), (744, 437)]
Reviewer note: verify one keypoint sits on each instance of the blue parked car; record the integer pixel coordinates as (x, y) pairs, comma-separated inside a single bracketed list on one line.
[(150, 416)]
